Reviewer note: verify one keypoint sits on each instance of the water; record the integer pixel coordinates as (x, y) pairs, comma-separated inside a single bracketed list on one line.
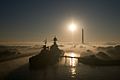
[(66, 69)]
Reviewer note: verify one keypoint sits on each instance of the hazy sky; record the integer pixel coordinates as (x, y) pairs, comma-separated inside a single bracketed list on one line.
[(34, 20)]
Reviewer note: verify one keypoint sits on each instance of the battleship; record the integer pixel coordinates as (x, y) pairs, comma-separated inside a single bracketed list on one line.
[(46, 57)]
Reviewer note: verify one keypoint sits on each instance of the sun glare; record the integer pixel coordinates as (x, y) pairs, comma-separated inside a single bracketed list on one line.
[(72, 55), (72, 27), (72, 60)]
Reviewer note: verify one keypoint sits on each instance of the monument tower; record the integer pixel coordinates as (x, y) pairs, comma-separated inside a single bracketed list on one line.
[(82, 36)]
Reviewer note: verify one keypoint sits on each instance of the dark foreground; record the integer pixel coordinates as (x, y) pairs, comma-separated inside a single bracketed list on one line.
[(66, 70)]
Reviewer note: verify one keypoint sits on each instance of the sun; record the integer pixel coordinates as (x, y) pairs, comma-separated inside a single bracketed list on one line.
[(72, 27)]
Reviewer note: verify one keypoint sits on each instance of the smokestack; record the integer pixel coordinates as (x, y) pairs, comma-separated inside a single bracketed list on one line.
[(82, 36)]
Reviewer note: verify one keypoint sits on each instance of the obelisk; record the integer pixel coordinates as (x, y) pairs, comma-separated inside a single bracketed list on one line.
[(82, 36)]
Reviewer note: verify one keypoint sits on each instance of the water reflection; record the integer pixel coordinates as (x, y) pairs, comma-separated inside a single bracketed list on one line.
[(72, 54), (73, 71), (71, 63)]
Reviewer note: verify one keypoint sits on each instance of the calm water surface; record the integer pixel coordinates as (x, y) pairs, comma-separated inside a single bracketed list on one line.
[(67, 69)]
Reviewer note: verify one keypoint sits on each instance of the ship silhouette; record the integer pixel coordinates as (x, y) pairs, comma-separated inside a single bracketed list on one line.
[(47, 56)]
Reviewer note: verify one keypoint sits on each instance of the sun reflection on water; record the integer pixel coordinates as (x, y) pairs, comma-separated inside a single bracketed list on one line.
[(72, 54), (73, 61), (73, 72)]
